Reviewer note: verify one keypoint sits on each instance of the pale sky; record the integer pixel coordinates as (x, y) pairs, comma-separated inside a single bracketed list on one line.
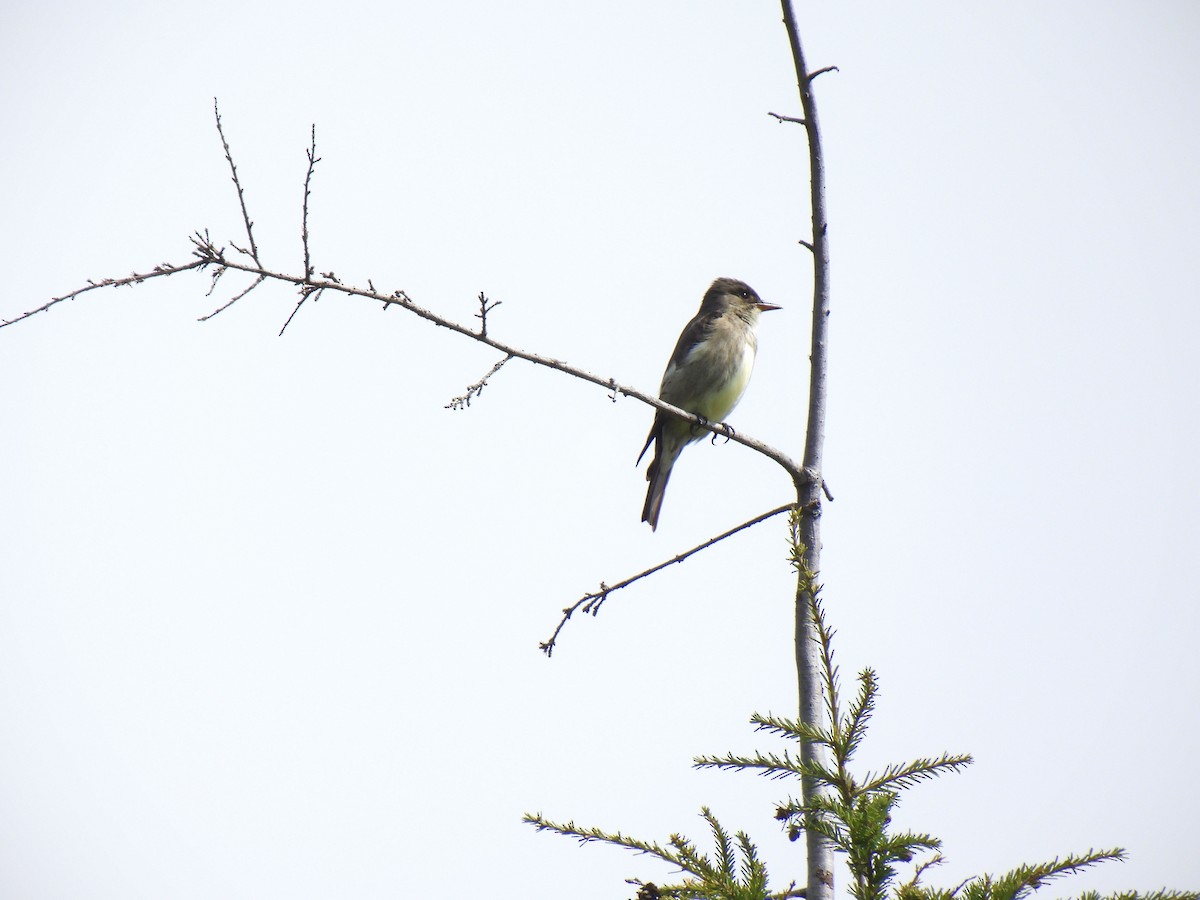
[(269, 613)]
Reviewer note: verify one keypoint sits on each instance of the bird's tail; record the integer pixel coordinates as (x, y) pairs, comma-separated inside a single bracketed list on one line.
[(658, 475)]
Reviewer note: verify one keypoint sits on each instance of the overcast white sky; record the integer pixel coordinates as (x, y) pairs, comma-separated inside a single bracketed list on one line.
[(269, 614)]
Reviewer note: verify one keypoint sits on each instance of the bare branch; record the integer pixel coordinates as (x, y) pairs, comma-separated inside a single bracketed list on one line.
[(791, 119), (799, 474), (253, 252), (591, 603), (476, 389), (207, 253)]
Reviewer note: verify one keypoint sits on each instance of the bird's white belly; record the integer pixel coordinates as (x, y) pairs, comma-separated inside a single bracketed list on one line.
[(719, 403)]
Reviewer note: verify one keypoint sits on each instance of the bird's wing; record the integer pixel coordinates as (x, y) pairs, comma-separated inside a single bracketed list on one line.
[(655, 432), (696, 332)]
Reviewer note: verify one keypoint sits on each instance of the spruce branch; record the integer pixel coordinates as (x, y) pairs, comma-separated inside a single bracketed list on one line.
[(919, 872), (1024, 880), (789, 728), (769, 765), (735, 872), (899, 776), (850, 815), (616, 838), (854, 725)]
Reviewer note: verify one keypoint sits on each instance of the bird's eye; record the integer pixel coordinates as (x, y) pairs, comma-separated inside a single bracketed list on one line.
[(745, 294)]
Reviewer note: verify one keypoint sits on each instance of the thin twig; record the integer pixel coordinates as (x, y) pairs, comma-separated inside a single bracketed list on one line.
[(216, 276), (257, 281), (791, 119), (132, 279), (591, 603), (313, 159), (305, 292), (253, 254), (476, 389)]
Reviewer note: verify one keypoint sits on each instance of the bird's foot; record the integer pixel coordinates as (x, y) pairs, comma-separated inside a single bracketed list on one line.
[(724, 429)]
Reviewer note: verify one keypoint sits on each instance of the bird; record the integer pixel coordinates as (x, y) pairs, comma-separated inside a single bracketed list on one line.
[(706, 376)]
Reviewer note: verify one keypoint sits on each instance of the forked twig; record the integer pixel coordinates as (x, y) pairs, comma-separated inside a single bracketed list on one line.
[(485, 307), (476, 389)]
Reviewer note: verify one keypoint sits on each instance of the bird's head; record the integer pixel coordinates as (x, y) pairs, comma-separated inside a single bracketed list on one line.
[(733, 294)]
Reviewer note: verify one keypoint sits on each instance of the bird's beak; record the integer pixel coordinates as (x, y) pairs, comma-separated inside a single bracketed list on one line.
[(766, 307)]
